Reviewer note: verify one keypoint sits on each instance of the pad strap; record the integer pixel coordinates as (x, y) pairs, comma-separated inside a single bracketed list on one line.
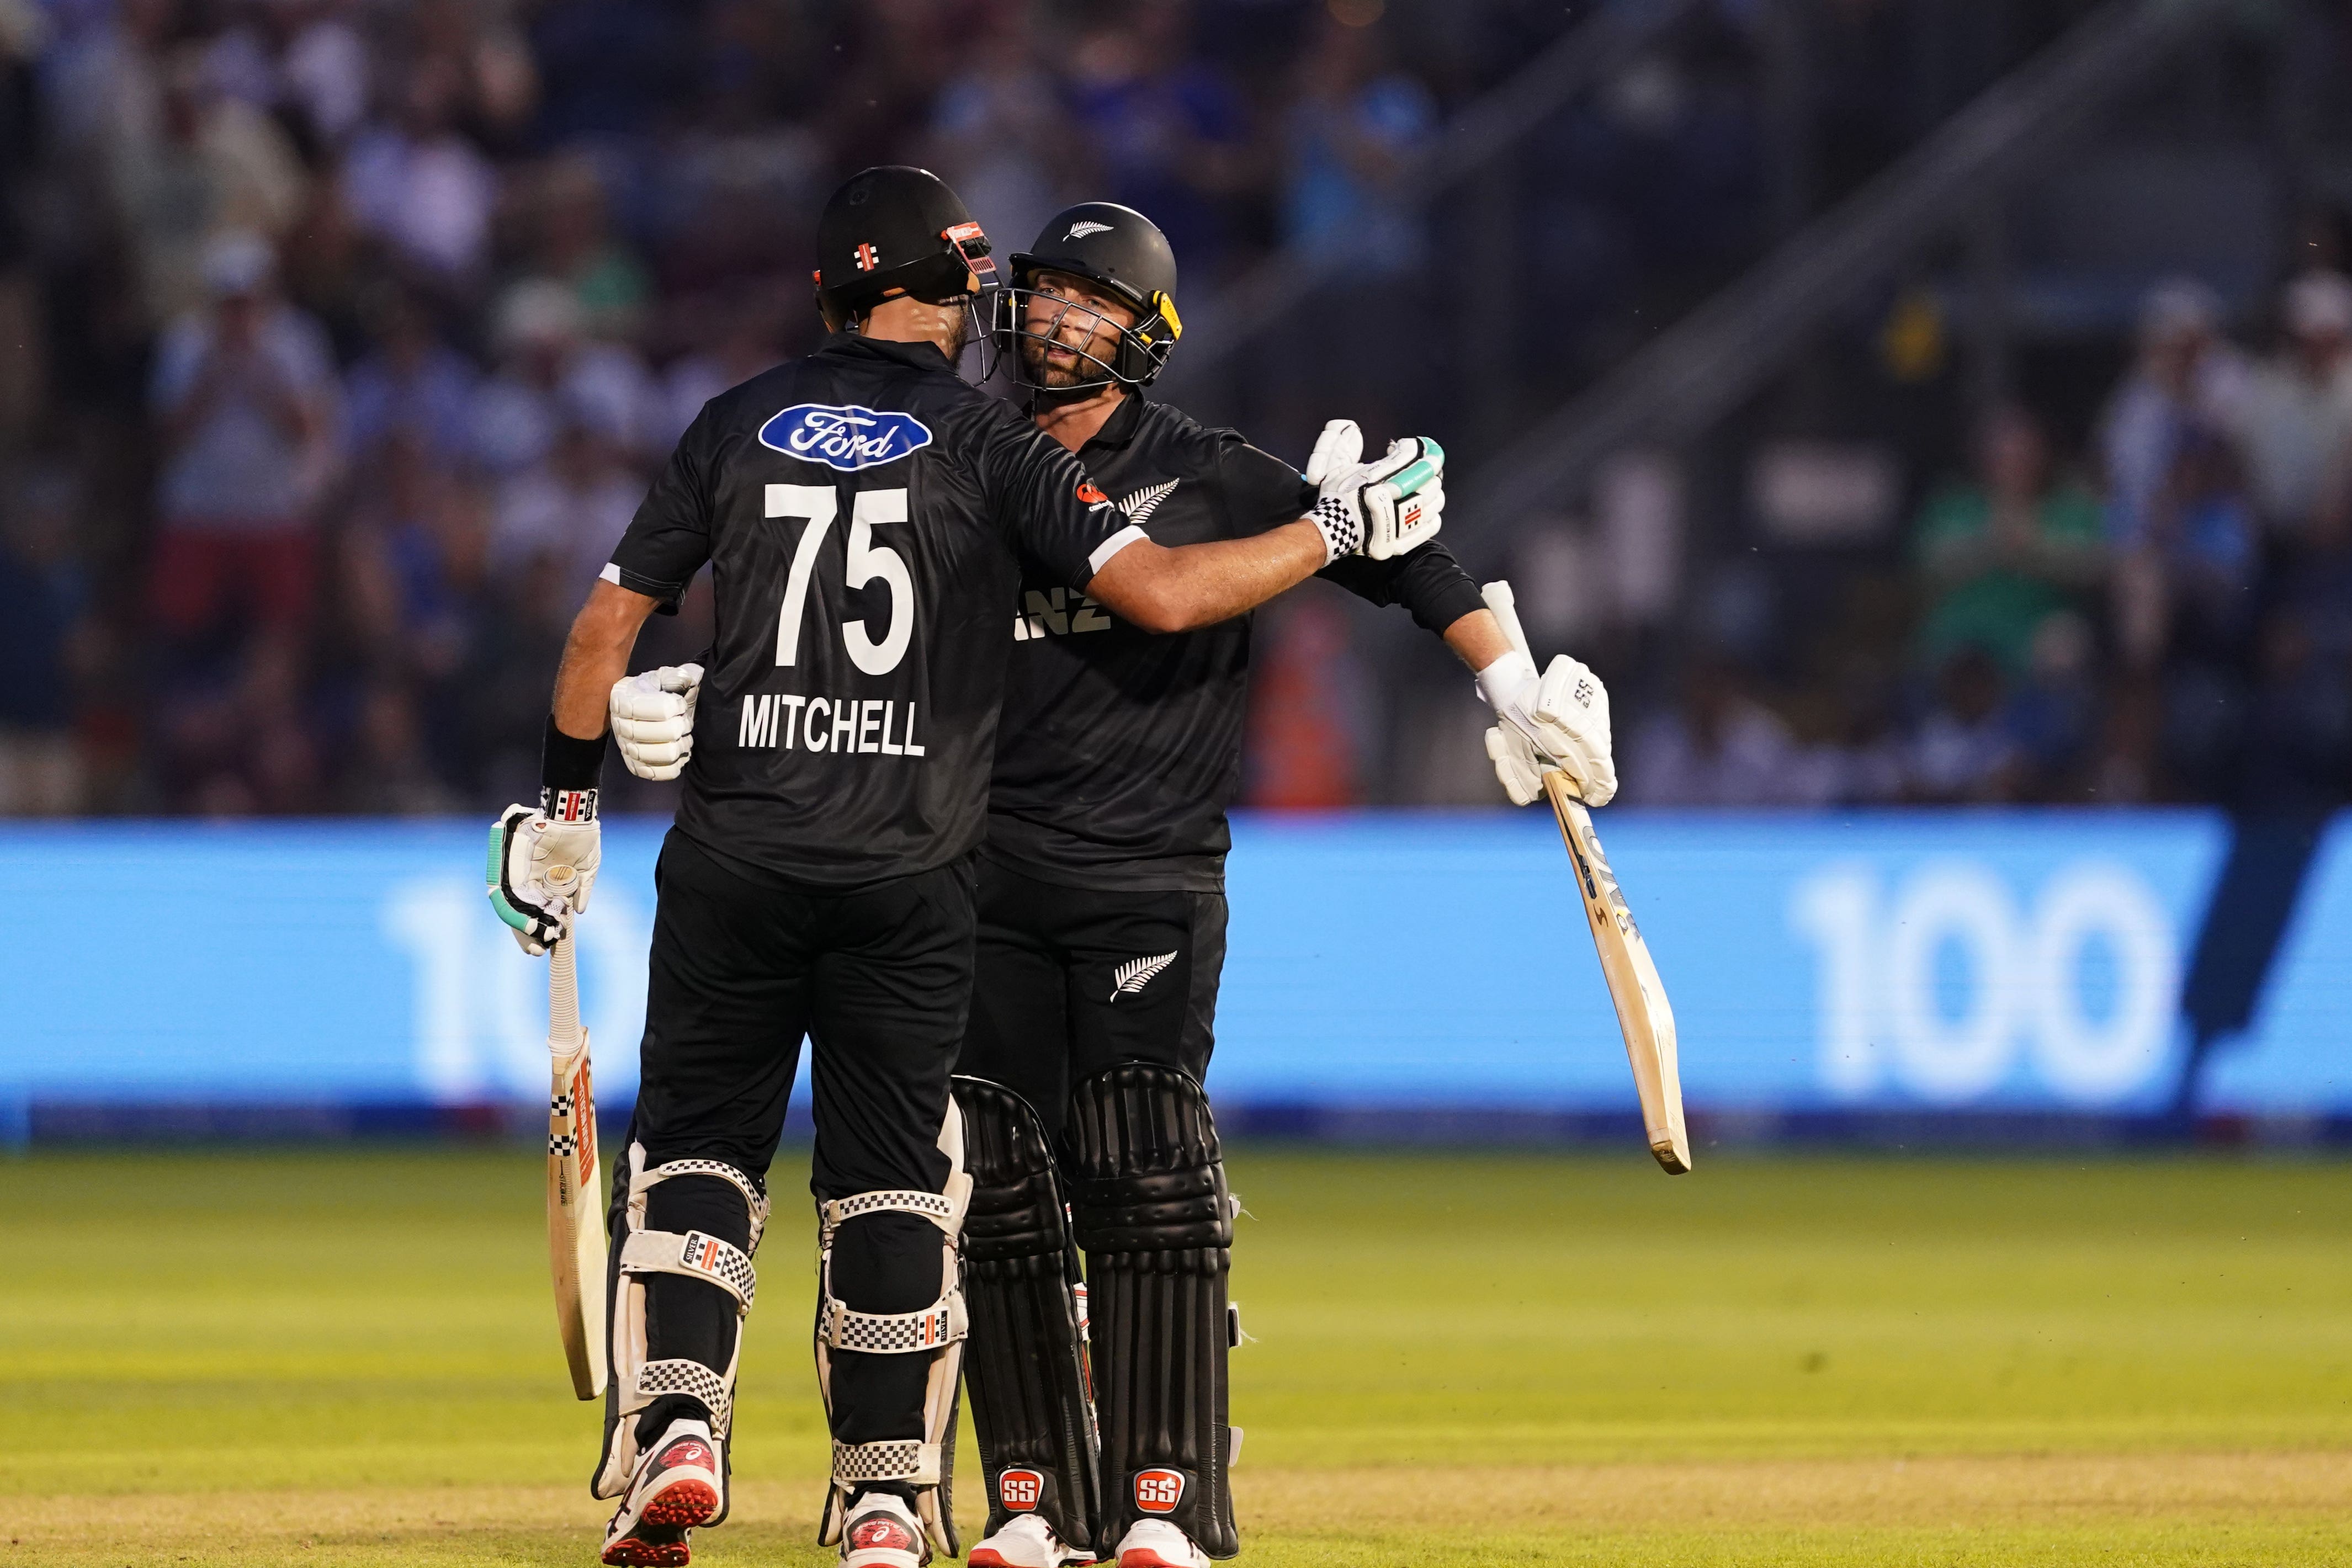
[(926, 1464), (894, 1334), (942, 1209), (752, 1197), (657, 1378), (698, 1256), (917, 1464), (638, 1380)]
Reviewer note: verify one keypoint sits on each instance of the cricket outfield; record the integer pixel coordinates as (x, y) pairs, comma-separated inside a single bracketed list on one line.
[(331, 1358)]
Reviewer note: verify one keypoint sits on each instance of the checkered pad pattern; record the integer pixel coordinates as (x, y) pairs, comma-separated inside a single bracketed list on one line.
[(695, 1255), (931, 1205), (657, 1378), (893, 1334), (726, 1172), (856, 1462)]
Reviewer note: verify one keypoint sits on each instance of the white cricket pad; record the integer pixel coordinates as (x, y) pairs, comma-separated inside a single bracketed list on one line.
[(638, 1382), (936, 1331)]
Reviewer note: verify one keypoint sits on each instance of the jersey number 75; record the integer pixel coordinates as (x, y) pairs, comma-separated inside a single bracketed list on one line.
[(818, 504)]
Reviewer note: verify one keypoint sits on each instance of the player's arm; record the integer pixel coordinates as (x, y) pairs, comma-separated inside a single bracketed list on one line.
[(651, 715), (1181, 588), (1061, 517), (666, 545), (1558, 717), (1260, 489), (1568, 729), (596, 655), (1190, 586), (1431, 585), (526, 843), (1555, 718), (1478, 639)]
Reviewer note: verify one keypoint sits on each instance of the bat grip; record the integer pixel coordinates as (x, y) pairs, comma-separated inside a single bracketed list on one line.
[(563, 984), (563, 997)]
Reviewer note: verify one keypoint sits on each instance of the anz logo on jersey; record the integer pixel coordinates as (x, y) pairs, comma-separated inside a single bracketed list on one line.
[(844, 438), (1057, 612)]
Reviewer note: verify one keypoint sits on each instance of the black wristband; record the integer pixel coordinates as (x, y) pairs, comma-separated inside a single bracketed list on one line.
[(569, 772)]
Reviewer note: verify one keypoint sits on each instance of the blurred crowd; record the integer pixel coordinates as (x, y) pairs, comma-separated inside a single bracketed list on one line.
[(343, 336), (2168, 618)]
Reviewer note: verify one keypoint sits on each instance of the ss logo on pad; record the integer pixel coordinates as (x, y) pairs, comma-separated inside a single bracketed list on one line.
[(1159, 1491)]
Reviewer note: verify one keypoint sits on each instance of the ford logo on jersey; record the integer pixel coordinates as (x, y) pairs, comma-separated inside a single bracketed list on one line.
[(844, 438)]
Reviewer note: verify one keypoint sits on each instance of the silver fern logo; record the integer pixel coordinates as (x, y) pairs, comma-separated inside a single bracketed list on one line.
[(1137, 973), (1142, 503)]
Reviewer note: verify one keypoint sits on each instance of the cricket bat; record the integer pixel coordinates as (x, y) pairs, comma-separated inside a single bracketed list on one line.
[(1643, 1015), (575, 1197)]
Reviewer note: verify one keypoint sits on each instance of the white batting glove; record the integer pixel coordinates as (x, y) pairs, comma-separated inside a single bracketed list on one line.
[(1381, 508), (1560, 720), (1339, 447), (524, 846), (653, 719)]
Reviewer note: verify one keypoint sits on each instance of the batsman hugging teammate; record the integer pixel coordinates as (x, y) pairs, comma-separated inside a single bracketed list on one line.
[(1102, 934), (1101, 923), (867, 517)]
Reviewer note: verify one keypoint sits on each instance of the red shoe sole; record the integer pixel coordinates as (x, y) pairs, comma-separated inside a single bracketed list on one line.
[(682, 1505), (988, 1557), (631, 1552)]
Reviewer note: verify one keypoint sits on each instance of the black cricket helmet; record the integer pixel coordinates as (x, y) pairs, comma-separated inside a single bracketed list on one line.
[(893, 230), (1118, 249)]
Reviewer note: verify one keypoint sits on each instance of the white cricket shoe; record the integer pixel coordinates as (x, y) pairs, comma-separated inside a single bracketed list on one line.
[(676, 1486), (1156, 1543), (1025, 1541), (883, 1532)]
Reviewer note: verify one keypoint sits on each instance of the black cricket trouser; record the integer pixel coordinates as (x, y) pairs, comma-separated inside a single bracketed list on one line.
[(1069, 981), (878, 979)]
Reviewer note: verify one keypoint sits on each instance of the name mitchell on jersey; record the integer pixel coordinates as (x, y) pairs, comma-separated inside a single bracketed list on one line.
[(856, 723)]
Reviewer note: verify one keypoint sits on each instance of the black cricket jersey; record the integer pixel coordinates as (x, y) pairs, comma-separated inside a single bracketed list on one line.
[(866, 514), (1119, 750)]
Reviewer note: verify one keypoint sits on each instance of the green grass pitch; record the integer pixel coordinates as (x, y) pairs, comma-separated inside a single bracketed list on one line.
[(346, 1358)]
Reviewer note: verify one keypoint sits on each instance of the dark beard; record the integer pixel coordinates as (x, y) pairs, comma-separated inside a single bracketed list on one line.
[(1051, 381)]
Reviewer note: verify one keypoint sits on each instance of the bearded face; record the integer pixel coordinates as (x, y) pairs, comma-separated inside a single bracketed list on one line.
[(1063, 320)]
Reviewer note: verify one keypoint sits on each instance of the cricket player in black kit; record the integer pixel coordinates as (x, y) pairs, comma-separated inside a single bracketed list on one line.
[(1102, 934), (866, 513)]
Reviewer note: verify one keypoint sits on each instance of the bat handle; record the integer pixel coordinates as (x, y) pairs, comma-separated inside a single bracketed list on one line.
[(562, 998), (564, 978)]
